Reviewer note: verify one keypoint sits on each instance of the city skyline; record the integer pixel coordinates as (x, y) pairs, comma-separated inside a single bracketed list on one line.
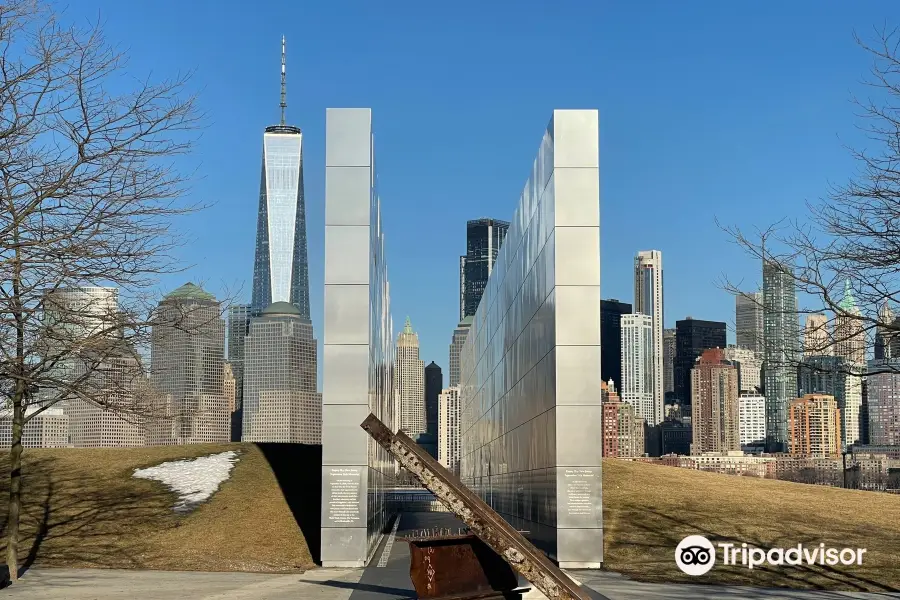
[(328, 72)]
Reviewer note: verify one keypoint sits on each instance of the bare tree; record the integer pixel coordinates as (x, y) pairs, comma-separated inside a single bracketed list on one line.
[(88, 193), (846, 256)]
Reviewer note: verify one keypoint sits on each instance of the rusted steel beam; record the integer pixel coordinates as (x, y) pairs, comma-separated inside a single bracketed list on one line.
[(493, 530)]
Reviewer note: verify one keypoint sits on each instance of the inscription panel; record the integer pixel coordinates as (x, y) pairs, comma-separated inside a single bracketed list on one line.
[(345, 497), (579, 497)]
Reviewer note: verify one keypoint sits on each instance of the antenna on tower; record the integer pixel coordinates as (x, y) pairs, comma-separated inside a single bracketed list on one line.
[(283, 91)]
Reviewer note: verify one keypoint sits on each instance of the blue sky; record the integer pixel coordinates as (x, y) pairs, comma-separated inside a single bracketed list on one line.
[(735, 111)]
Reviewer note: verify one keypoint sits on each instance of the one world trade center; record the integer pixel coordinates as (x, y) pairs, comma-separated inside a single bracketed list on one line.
[(281, 270)]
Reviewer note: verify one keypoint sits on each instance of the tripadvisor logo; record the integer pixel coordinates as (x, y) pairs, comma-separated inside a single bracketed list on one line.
[(696, 555)]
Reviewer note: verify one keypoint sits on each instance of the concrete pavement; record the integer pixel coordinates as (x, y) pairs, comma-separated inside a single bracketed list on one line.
[(386, 579)]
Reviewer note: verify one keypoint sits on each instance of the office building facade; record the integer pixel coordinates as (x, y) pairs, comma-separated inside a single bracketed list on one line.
[(648, 300), (187, 356), (749, 366), (814, 427), (849, 329), (752, 415), (840, 378), (532, 356), (281, 403), (238, 324), (816, 338), (48, 429), (611, 312), (448, 429), (484, 237), (748, 318), (669, 347), (781, 351), (883, 402), (887, 340), (456, 344), (358, 368), (409, 377), (434, 383), (715, 413), (638, 378), (692, 337)]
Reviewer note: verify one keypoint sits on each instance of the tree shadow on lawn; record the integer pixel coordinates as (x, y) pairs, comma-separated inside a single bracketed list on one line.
[(641, 542), (80, 519)]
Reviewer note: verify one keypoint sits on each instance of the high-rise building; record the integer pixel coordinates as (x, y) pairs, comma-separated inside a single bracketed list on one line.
[(637, 366), (611, 312), (409, 377), (669, 363), (692, 337), (280, 269), (849, 330), (48, 429), (840, 378), (72, 315), (622, 429), (281, 403), (883, 402), (187, 353), (814, 426), (816, 340), (715, 410), (781, 351), (748, 313), (887, 340), (434, 383), (120, 401), (238, 325), (483, 240), (448, 429), (229, 387), (752, 415), (456, 344), (749, 365), (648, 300)]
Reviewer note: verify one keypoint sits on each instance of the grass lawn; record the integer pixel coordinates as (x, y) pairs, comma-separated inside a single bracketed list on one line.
[(648, 509), (82, 508)]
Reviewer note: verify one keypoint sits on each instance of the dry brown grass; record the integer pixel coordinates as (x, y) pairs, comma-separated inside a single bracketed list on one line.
[(84, 509), (650, 508)]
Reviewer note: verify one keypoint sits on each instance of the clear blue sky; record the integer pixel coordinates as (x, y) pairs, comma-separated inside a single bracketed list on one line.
[(728, 110)]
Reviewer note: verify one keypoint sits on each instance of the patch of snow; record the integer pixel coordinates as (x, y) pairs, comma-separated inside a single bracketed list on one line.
[(194, 480)]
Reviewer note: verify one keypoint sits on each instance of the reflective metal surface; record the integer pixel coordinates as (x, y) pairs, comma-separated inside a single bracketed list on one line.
[(530, 366), (358, 346)]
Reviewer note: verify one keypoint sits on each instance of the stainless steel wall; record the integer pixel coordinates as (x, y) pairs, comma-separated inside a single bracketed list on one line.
[(531, 363), (358, 345)]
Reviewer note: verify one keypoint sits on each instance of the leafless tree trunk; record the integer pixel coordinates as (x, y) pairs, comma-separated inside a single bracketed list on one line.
[(88, 193), (850, 246)]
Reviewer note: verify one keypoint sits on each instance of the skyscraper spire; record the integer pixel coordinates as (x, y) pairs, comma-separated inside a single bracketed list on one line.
[(283, 90)]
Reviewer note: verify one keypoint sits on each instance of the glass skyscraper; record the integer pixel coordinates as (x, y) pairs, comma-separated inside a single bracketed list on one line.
[(781, 329), (281, 270), (483, 240)]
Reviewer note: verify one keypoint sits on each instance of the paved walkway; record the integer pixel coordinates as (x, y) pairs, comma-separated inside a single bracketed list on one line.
[(387, 578)]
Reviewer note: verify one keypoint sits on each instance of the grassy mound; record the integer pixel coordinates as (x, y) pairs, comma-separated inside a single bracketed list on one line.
[(83, 508), (648, 509)]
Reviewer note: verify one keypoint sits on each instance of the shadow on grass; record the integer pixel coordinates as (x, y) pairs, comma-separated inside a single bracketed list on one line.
[(82, 519), (643, 540), (298, 469)]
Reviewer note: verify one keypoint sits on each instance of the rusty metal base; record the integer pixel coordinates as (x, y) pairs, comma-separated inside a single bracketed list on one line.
[(489, 595)]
